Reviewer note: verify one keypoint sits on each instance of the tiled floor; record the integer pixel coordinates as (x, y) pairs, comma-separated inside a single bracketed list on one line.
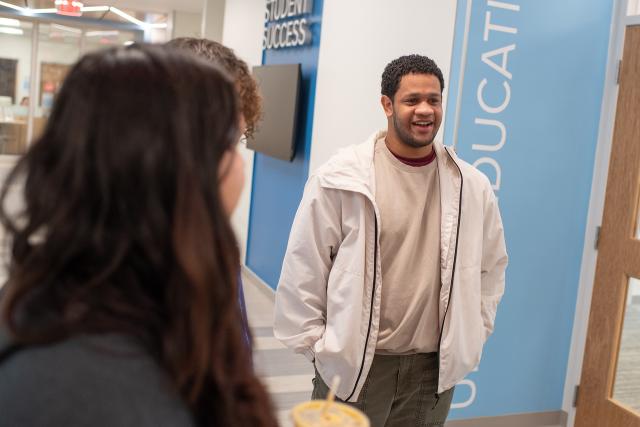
[(286, 375)]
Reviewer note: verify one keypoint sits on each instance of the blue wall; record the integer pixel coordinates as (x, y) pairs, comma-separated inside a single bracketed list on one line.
[(552, 119), (278, 185)]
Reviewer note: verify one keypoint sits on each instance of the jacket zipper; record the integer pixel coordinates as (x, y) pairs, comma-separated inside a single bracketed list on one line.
[(373, 291), (453, 271)]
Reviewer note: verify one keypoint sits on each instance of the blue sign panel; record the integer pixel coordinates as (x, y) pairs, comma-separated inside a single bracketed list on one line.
[(527, 80), (277, 184)]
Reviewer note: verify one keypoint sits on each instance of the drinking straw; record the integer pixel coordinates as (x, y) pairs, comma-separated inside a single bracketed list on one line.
[(331, 395)]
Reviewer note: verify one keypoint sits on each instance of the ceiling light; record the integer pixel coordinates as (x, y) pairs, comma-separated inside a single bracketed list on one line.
[(77, 4), (12, 6), (65, 28), (11, 30), (8, 22), (101, 33), (95, 9)]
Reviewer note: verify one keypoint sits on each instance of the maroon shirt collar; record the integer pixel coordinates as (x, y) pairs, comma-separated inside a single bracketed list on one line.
[(422, 161)]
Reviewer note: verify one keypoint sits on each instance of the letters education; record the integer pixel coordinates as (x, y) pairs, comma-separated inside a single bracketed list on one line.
[(497, 60)]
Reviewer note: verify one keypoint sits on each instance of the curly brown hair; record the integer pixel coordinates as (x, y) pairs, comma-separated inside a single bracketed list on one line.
[(248, 94)]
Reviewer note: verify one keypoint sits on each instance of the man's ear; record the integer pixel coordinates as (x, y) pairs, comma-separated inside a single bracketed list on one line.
[(387, 105)]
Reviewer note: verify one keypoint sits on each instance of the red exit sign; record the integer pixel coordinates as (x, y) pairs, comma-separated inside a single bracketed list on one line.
[(69, 7)]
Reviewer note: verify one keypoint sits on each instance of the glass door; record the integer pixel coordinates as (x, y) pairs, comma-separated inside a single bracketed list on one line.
[(15, 81)]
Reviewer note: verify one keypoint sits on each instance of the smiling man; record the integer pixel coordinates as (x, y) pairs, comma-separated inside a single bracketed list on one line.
[(395, 264)]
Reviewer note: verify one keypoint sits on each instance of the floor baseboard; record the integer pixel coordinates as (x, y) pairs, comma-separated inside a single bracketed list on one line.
[(249, 276), (534, 419)]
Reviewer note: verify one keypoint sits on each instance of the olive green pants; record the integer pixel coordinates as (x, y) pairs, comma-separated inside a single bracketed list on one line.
[(400, 391)]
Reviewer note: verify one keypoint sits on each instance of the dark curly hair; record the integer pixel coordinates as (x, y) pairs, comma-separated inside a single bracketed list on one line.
[(250, 100), (409, 64)]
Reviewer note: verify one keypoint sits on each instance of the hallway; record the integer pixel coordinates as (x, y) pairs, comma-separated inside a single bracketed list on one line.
[(287, 375)]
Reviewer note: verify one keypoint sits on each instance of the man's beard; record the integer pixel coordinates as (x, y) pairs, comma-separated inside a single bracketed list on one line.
[(406, 138)]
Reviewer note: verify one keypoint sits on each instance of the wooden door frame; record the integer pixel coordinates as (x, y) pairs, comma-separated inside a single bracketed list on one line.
[(619, 22), (619, 259)]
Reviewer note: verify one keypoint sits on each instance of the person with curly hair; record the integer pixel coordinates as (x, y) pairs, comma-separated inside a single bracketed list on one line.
[(119, 308), (395, 263), (246, 86), (250, 105)]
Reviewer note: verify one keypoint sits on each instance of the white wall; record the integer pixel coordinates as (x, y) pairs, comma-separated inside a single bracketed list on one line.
[(242, 32), (213, 12), (186, 24), (358, 39)]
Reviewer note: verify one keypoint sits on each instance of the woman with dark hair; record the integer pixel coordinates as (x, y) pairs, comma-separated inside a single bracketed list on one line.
[(119, 307)]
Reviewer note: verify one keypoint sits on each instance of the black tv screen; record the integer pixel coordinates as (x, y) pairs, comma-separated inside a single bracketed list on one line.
[(276, 132)]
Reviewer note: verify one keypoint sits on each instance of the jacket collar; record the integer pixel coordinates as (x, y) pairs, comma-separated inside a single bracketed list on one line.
[(352, 168)]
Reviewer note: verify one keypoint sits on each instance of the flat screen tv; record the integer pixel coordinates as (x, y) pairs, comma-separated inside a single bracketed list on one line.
[(279, 86)]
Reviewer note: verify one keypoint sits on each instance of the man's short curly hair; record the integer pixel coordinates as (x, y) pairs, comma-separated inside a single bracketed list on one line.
[(248, 94), (409, 64)]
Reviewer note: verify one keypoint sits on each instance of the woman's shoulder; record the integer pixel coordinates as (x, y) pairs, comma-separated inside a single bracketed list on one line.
[(86, 380)]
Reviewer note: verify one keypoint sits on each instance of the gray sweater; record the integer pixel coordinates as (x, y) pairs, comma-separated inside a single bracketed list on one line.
[(98, 380)]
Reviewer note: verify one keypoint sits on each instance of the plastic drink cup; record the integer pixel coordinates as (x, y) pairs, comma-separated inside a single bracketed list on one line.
[(312, 414)]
